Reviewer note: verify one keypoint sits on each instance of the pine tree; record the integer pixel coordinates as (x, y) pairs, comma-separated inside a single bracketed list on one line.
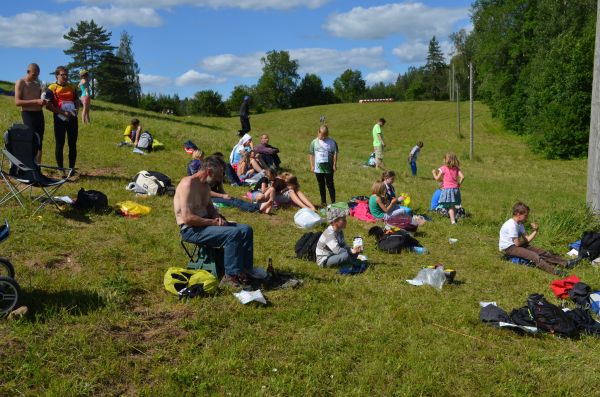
[(89, 43), (435, 70), (111, 75), (131, 67)]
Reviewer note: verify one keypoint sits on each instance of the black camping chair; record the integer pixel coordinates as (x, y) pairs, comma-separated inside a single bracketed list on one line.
[(20, 148)]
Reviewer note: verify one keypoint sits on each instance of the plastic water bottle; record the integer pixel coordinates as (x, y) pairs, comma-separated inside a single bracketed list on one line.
[(419, 250)]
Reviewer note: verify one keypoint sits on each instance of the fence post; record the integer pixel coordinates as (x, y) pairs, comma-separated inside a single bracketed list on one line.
[(471, 146)]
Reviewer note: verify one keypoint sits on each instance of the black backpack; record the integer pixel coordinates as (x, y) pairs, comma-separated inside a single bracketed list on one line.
[(91, 200), (590, 245), (394, 242), (580, 294), (306, 246), (522, 316), (550, 318), (166, 181)]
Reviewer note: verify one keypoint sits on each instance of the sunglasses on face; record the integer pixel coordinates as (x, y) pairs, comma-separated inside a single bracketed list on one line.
[(63, 74)]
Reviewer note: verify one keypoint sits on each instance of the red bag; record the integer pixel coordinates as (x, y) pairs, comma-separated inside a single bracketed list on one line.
[(561, 287)]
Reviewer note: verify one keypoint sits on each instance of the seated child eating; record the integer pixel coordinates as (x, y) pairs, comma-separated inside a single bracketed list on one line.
[(332, 249), (514, 241)]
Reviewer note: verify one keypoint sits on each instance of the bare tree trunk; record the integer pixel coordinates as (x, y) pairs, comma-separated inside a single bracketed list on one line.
[(471, 145), (593, 178)]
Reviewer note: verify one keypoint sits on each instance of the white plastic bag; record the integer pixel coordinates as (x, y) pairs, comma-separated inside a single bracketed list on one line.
[(249, 296), (434, 277), (307, 218)]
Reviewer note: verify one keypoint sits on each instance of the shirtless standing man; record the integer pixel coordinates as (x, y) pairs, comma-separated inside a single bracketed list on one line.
[(200, 222), (28, 92)]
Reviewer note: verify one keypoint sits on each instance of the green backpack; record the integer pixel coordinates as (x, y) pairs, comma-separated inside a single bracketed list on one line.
[(190, 283)]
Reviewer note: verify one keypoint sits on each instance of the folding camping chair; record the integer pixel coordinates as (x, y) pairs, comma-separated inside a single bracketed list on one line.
[(22, 173)]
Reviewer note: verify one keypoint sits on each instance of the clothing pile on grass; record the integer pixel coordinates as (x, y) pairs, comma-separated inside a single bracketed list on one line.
[(358, 207), (588, 247), (370, 161), (576, 316)]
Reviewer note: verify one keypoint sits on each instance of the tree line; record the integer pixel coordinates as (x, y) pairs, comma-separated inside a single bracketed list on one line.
[(114, 76), (533, 62)]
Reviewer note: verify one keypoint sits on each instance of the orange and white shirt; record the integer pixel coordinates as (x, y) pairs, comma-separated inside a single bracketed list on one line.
[(64, 96)]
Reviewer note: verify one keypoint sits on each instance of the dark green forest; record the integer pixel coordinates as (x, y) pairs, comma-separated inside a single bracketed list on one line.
[(534, 62)]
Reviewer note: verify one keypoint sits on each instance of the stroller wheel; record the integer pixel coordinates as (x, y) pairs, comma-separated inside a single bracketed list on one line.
[(6, 268), (9, 294)]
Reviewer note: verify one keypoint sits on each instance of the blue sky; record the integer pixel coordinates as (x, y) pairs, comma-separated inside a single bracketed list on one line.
[(184, 46)]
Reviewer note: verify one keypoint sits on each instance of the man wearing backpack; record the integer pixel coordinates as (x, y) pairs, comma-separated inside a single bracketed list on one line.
[(515, 241), (200, 223)]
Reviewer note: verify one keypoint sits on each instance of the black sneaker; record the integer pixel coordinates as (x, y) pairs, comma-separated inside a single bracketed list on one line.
[(572, 263)]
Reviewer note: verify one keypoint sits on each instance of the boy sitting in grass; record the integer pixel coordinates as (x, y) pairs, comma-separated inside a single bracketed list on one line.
[(515, 241), (332, 249), (132, 132)]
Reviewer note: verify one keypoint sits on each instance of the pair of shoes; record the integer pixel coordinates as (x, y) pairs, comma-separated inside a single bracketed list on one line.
[(230, 282), (236, 281), (572, 263)]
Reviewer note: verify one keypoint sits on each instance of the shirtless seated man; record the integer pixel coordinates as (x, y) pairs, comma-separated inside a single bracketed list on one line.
[(201, 223)]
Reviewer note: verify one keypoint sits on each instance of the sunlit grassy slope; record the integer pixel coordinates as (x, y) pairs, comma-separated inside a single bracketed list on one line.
[(101, 323)]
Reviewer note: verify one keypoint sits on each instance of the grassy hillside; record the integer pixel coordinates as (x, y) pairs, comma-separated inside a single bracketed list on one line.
[(101, 323)]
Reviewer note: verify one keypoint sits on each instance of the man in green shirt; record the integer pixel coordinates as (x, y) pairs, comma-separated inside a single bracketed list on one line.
[(378, 143)]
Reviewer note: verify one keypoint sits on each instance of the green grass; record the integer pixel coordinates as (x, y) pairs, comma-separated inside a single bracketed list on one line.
[(101, 323)]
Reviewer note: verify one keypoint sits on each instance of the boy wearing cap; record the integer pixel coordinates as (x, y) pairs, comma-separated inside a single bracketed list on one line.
[(332, 249)]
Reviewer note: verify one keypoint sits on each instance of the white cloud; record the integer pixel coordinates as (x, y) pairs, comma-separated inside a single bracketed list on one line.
[(381, 76), (45, 30), (234, 65), (150, 80), (243, 4), (412, 51), (330, 61), (311, 60), (412, 20), (194, 78), (415, 51)]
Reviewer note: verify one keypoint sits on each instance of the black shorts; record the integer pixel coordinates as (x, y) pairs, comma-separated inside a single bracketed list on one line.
[(35, 121)]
